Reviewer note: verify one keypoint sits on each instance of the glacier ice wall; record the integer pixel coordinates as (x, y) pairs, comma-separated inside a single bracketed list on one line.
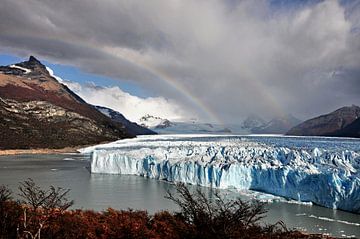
[(327, 177)]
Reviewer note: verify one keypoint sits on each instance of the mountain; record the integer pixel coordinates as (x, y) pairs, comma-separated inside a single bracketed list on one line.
[(36, 111), (251, 125), (278, 125), (165, 126), (330, 124), (131, 127), (154, 122), (253, 121), (351, 130)]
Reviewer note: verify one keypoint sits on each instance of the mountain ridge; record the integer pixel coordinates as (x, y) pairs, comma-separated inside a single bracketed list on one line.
[(118, 117)]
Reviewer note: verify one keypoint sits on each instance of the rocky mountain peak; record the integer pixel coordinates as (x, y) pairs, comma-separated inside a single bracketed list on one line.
[(352, 107), (32, 59), (149, 121), (32, 68), (33, 64), (355, 108)]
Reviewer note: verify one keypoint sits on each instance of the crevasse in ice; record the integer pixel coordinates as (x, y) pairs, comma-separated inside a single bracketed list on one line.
[(327, 175)]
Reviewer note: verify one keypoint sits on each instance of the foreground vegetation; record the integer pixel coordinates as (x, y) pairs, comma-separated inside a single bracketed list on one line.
[(45, 214)]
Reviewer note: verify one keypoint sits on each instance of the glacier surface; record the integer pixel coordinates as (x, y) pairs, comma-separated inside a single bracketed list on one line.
[(324, 171)]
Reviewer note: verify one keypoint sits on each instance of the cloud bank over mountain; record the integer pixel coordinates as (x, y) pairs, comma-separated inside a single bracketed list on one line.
[(232, 58), (131, 106)]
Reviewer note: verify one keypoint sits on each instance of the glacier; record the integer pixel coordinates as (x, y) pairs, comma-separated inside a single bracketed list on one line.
[(324, 171)]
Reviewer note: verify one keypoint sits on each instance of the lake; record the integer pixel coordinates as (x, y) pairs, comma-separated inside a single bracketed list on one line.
[(98, 192)]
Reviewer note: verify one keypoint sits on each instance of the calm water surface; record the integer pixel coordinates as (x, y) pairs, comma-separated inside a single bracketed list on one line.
[(94, 191)]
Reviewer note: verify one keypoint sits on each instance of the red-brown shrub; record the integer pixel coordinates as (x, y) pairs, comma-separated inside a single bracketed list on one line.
[(198, 219), (10, 213), (170, 226)]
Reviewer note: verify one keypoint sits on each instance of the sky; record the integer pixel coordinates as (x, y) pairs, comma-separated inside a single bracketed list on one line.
[(211, 60)]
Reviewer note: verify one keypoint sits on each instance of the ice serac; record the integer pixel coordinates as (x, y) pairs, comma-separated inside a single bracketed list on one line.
[(325, 176)]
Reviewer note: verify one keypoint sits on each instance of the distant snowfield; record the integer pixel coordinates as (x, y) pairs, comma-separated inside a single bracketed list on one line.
[(320, 170)]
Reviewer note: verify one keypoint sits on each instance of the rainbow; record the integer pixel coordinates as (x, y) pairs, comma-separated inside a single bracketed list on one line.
[(206, 110), (196, 101), (270, 100), (163, 76)]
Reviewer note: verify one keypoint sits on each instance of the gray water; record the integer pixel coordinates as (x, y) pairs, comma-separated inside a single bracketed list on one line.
[(98, 192)]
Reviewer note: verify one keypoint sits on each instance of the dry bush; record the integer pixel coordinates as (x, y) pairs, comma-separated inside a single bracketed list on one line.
[(226, 219), (5, 194), (40, 206), (43, 214)]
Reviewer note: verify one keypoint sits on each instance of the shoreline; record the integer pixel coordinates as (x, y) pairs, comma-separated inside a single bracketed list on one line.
[(7, 152), (73, 149)]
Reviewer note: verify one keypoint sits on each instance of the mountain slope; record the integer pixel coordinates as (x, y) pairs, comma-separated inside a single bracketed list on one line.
[(131, 127), (39, 112), (329, 124), (279, 125), (351, 130)]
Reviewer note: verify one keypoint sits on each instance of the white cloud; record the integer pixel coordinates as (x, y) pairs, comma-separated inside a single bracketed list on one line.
[(132, 107)]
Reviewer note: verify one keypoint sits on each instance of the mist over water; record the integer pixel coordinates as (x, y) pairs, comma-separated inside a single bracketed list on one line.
[(99, 191)]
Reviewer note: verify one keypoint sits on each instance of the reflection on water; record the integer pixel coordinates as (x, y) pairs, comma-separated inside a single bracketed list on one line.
[(98, 192)]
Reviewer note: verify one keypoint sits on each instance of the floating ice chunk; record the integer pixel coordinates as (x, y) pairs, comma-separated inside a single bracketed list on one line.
[(68, 159)]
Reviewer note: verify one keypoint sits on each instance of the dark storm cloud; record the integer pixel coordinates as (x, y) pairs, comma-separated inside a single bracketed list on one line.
[(247, 56)]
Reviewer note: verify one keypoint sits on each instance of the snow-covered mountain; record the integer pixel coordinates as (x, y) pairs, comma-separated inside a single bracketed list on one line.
[(253, 121), (324, 171), (165, 126), (251, 125), (154, 122), (277, 125)]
